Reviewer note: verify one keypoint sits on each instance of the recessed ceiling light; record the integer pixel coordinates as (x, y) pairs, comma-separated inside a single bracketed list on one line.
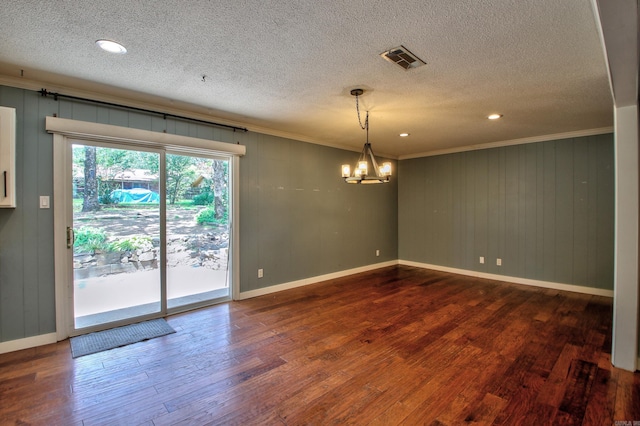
[(404, 135), (111, 46), (494, 116)]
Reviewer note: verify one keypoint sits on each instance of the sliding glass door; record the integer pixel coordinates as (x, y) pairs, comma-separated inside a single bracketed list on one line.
[(116, 234), (197, 229), (149, 232)]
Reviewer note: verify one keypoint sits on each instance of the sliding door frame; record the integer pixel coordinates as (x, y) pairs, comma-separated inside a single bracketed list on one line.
[(65, 131)]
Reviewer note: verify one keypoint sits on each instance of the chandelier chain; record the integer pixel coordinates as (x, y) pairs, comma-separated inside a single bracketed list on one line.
[(366, 120)]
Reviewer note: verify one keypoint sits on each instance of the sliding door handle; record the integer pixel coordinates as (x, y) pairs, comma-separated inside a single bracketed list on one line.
[(71, 237), (4, 174)]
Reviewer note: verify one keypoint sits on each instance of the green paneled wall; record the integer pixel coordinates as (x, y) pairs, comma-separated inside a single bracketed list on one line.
[(304, 220), (298, 219), (26, 233), (546, 209)]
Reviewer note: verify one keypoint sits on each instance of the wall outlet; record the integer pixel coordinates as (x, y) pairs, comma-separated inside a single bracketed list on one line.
[(481, 259), (499, 262), (377, 252), (260, 273)]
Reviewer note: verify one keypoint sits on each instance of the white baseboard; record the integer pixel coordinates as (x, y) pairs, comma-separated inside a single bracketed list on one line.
[(27, 342), (515, 280), (312, 280)]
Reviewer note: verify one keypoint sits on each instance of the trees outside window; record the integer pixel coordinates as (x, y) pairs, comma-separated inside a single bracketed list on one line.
[(186, 177), (90, 201)]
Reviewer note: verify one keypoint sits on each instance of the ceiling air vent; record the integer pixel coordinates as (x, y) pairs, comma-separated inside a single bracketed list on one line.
[(403, 57)]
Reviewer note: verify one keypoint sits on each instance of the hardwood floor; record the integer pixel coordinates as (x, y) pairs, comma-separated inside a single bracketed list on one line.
[(398, 345)]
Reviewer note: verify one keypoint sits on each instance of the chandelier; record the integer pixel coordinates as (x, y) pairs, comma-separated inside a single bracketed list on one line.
[(367, 164)]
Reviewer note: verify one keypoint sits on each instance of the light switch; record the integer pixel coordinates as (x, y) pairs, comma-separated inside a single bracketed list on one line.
[(44, 202)]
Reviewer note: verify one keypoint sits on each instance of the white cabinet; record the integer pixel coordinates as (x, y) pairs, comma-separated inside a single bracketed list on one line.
[(7, 157)]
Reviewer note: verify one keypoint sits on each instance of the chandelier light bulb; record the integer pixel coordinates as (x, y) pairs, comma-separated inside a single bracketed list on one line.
[(385, 169)]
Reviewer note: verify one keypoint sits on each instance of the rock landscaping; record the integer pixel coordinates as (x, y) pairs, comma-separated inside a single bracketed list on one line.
[(188, 243)]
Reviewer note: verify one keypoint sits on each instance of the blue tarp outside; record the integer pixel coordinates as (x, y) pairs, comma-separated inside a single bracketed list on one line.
[(136, 195)]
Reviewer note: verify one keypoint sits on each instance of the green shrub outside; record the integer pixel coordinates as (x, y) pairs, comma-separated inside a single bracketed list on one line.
[(203, 199), (106, 199), (133, 243), (208, 216), (88, 239)]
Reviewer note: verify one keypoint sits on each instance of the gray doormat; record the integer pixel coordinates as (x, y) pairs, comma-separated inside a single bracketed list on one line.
[(119, 336)]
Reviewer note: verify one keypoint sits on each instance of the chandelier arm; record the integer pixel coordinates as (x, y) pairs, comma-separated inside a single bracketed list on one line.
[(373, 160), (363, 153)]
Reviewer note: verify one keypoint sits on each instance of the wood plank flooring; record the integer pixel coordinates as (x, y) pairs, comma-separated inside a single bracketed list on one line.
[(398, 345)]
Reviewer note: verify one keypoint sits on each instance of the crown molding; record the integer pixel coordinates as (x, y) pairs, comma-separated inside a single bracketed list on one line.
[(534, 139)]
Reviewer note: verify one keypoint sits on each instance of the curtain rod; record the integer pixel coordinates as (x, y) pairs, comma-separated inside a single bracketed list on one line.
[(45, 93)]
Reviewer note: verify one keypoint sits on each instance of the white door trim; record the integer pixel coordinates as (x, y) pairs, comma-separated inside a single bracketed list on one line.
[(62, 268), (122, 135)]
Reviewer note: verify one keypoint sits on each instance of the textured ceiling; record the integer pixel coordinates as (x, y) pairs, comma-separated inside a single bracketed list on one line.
[(288, 66)]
